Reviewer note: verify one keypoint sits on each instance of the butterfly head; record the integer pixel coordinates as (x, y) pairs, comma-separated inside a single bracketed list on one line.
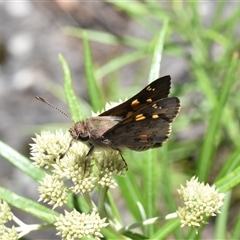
[(79, 132)]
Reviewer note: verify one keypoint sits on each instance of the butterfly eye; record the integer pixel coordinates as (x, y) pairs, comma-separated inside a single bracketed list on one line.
[(83, 138), (79, 132)]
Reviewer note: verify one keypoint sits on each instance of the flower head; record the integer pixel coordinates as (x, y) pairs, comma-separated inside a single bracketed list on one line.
[(110, 163), (5, 212), (108, 106), (76, 167), (48, 147), (75, 225), (8, 233), (200, 201), (52, 189), (5, 216)]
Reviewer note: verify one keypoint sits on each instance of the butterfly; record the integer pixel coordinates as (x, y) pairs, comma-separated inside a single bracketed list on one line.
[(140, 123)]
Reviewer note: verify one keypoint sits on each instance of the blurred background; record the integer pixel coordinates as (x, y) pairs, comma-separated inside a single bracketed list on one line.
[(32, 34)]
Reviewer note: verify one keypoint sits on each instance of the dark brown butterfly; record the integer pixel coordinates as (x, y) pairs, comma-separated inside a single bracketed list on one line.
[(140, 123)]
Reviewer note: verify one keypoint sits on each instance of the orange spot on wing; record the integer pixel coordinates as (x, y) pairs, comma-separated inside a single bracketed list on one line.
[(143, 138), (135, 102), (129, 114), (140, 117), (155, 116)]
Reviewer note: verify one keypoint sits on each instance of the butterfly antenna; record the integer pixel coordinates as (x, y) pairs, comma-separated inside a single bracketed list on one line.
[(51, 105)]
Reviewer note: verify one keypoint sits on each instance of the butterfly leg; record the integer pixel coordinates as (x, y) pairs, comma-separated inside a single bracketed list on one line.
[(62, 155), (126, 165), (90, 151)]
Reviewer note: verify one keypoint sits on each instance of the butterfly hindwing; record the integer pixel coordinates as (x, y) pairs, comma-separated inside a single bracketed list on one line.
[(146, 128)]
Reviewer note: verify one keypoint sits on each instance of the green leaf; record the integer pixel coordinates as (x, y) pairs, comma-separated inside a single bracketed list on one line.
[(166, 230), (69, 93), (119, 62), (135, 8), (107, 38), (135, 236), (28, 206), (229, 166), (20, 162), (222, 219), (111, 233), (158, 51), (131, 193), (151, 156), (114, 210), (229, 181), (236, 229), (209, 145), (94, 92)]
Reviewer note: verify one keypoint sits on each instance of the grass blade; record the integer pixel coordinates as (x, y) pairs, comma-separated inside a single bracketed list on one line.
[(107, 38), (222, 219), (20, 162), (118, 62), (28, 206), (69, 93), (208, 148), (157, 54), (150, 175), (231, 180), (93, 90)]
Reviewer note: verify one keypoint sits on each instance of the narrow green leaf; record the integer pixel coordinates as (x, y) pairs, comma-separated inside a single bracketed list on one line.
[(157, 54), (131, 193), (193, 235), (219, 10), (236, 229), (209, 147), (93, 90), (229, 181), (150, 187), (107, 38), (228, 23), (111, 233), (232, 162), (167, 229), (114, 209), (167, 188), (135, 236), (69, 93), (118, 62), (205, 84), (166, 179), (222, 219), (218, 38), (28, 206), (20, 162), (135, 8), (151, 156)]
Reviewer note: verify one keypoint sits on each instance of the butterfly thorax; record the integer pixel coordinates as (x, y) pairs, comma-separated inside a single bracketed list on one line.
[(91, 131)]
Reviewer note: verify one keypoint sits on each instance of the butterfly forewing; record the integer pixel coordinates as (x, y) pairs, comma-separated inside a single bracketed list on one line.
[(156, 90)]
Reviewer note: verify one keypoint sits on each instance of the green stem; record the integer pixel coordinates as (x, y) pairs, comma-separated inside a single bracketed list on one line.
[(88, 200), (141, 224), (102, 197)]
